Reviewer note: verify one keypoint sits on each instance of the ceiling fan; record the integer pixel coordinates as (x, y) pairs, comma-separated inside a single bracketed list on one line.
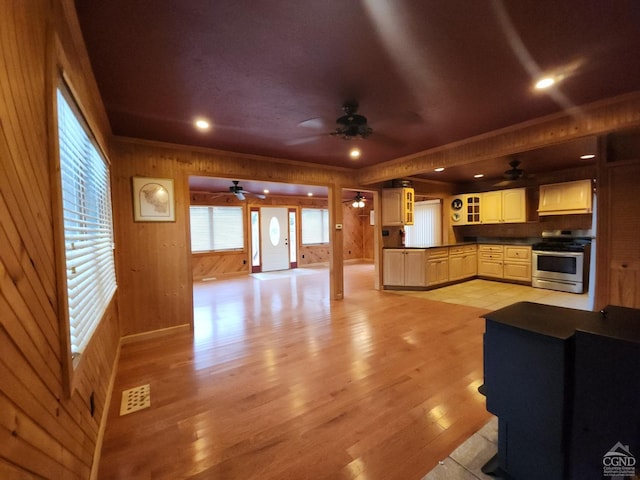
[(514, 173), (350, 126), (511, 175), (240, 192), (358, 201)]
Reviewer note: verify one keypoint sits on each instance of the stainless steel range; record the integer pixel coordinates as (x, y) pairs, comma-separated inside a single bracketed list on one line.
[(561, 260)]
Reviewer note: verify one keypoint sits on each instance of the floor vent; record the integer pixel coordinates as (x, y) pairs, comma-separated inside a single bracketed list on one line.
[(135, 399)]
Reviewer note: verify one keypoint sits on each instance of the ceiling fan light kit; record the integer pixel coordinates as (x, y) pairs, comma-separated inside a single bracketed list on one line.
[(358, 201)]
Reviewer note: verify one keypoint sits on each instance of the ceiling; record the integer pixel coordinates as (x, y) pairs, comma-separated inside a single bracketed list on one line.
[(271, 76)]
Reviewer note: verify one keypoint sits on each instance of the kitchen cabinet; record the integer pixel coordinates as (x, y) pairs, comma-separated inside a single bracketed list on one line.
[(565, 198), (404, 267), (463, 262), (437, 266), (517, 263), (397, 206), (465, 209), (490, 258), (504, 206)]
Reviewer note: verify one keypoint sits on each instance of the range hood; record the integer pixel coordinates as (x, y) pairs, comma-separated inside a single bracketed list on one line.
[(566, 198)]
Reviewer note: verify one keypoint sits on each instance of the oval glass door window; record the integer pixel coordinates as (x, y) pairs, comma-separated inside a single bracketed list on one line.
[(274, 231)]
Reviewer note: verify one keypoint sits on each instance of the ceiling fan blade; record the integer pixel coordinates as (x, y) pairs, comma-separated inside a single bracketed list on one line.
[(260, 196), (239, 195), (317, 123)]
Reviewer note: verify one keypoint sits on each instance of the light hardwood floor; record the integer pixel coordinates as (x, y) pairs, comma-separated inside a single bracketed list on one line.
[(278, 382)]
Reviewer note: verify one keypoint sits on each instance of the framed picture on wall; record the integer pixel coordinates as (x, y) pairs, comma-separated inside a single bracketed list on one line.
[(153, 200)]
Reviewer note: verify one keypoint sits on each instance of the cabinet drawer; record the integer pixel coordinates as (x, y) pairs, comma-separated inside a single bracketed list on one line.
[(522, 253), (438, 252), (490, 248), (490, 255), (462, 250)]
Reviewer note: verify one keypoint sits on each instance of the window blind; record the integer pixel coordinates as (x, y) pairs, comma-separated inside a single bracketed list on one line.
[(216, 228), (88, 228), (427, 227), (315, 226)]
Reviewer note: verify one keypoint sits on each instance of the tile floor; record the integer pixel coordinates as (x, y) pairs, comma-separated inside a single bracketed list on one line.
[(466, 461), (494, 295)]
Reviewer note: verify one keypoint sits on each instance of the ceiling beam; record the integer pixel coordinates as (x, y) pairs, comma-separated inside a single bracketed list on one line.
[(598, 118)]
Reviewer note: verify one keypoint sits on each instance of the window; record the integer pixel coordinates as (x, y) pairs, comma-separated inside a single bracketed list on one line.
[(216, 228), (87, 226), (427, 225), (315, 226)]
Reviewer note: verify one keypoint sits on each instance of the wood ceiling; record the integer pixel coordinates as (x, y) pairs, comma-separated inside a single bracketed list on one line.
[(272, 76)]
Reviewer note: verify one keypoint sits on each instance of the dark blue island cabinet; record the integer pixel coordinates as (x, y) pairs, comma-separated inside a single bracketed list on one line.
[(565, 386)]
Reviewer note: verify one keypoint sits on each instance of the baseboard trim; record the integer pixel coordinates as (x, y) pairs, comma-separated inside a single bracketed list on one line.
[(139, 337), (97, 452)]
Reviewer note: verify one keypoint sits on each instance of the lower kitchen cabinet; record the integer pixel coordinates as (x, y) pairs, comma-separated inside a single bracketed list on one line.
[(437, 266), (404, 267), (490, 258), (508, 262), (463, 262), (517, 263)]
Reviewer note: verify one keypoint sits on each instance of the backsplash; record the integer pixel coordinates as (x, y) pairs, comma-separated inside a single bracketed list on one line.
[(527, 229)]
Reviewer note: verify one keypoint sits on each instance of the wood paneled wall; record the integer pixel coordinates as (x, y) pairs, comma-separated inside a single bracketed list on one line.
[(155, 267), (619, 257), (43, 432)]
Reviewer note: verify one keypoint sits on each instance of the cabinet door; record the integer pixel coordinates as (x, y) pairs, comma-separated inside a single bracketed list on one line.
[(392, 203), (470, 265), (393, 267), (514, 207), (490, 268), (491, 211), (456, 267), (517, 271), (414, 268), (437, 271)]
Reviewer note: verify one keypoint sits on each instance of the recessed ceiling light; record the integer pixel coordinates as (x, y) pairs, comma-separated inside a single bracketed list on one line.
[(587, 156), (266, 190), (545, 82), (354, 153), (309, 194), (202, 124), (478, 175), (439, 169)]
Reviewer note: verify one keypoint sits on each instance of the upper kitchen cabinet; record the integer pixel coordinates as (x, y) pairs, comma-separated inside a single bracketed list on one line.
[(504, 206), (565, 198), (397, 206), (465, 209)]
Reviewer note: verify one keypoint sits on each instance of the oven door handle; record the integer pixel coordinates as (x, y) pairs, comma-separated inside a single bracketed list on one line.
[(556, 253)]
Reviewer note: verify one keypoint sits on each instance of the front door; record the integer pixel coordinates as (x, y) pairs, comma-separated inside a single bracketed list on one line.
[(274, 229)]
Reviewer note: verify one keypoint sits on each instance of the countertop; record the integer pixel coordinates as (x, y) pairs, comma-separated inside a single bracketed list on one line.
[(423, 247), (562, 323), (484, 241)]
